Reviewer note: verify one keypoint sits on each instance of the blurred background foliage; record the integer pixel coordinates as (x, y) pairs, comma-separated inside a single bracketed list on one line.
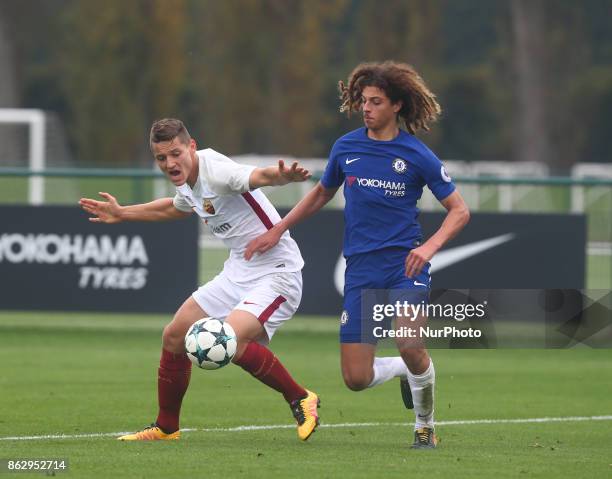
[(517, 79)]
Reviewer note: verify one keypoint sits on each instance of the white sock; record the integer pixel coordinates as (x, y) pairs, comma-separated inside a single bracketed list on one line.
[(388, 368), (422, 387)]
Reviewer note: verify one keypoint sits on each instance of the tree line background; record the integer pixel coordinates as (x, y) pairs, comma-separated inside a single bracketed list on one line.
[(517, 79)]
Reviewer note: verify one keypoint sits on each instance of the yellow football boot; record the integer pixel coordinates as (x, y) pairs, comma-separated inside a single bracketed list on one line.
[(305, 413), (151, 433)]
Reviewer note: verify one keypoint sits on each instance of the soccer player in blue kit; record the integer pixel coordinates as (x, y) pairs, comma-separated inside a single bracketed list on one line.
[(384, 168)]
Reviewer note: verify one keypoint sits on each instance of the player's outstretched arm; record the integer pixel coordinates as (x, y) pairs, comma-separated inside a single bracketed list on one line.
[(457, 217), (309, 205), (278, 175), (110, 211)]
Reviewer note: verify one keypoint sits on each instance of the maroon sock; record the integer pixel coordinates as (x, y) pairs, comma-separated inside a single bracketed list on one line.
[(265, 366), (172, 381)]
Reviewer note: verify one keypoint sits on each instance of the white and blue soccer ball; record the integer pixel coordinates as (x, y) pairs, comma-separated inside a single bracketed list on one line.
[(210, 343)]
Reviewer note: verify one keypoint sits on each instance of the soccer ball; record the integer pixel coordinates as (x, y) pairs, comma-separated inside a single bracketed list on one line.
[(210, 343)]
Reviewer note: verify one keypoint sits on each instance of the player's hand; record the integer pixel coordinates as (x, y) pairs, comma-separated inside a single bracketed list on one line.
[(262, 243), (108, 211), (418, 258), (296, 173)]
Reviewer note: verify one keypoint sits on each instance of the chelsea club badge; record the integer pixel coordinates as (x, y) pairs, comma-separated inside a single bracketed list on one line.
[(399, 166)]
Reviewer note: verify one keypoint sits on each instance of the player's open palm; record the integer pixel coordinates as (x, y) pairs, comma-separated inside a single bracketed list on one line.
[(262, 243), (295, 173), (108, 211)]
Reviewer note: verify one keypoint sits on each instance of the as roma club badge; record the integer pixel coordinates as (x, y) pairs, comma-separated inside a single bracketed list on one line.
[(208, 207)]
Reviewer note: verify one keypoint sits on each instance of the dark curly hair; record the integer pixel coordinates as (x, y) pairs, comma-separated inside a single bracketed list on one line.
[(400, 82)]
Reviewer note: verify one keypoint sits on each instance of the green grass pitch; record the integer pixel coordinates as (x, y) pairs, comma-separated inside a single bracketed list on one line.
[(80, 374)]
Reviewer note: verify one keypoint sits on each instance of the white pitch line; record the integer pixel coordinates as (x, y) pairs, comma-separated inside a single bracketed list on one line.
[(331, 426)]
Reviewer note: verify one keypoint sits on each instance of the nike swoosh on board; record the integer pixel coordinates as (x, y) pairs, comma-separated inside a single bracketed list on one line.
[(446, 258)]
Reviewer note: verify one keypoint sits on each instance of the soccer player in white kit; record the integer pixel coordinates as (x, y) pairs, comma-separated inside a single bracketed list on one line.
[(254, 297)]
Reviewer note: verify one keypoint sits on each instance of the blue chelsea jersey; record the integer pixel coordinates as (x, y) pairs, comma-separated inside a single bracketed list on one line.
[(383, 180)]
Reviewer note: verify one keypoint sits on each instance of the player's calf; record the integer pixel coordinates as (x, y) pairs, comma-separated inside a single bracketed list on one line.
[(262, 364)]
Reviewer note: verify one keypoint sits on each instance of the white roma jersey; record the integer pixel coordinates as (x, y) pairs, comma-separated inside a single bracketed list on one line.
[(221, 197)]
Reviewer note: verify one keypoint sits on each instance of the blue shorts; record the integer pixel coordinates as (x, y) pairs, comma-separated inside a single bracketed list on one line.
[(377, 270)]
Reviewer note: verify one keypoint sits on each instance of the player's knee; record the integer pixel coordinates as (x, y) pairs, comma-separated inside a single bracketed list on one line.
[(415, 358), (240, 347), (172, 339), (356, 380)]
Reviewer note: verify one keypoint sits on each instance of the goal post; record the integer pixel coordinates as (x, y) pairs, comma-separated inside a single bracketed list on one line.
[(35, 119)]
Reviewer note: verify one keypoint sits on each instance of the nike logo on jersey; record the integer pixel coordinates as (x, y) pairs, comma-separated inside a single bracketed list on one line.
[(348, 162), (248, 302), (416, 283)]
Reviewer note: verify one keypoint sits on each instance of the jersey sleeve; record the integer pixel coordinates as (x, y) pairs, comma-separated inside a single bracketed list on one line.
[(436, 177), (181, 204), (333, 176), (224, 176)]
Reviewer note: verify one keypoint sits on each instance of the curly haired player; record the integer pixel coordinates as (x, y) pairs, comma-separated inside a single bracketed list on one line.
[(384, 169)]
